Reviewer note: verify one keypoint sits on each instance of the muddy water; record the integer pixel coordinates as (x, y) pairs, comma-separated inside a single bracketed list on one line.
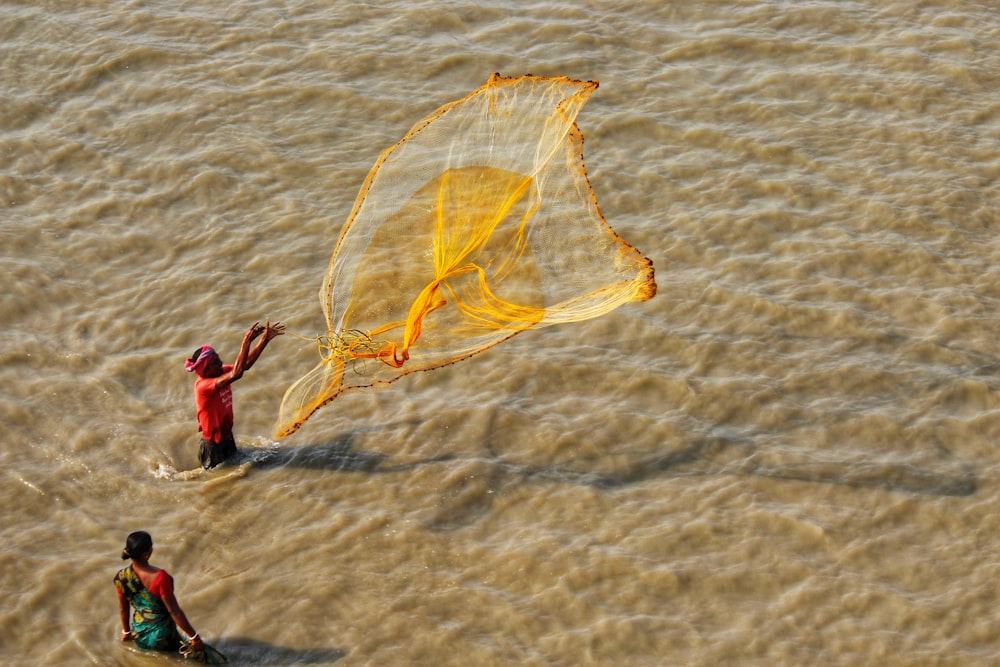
[(787, 457)]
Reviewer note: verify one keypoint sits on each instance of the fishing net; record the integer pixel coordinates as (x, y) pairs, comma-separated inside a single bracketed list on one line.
[(478, 225)]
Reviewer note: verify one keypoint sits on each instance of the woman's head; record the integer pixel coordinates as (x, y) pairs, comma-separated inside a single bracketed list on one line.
[(137, 545)]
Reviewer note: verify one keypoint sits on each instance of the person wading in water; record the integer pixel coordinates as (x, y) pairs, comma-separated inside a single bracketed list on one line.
[(214, 395), (150, 613)]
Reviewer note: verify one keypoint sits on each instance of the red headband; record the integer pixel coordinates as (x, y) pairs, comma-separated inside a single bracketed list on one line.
[(198, 365)]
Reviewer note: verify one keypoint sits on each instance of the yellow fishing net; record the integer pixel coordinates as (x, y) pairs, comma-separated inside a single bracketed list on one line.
[(479, 224)]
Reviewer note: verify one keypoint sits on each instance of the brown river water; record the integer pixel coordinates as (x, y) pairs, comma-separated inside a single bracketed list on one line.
[(787, 457)]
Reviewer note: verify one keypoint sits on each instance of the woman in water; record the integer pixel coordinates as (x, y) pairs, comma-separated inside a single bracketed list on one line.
[(150, 614)]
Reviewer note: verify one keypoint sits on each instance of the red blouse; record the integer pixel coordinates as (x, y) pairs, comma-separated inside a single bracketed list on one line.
[(163, 584)]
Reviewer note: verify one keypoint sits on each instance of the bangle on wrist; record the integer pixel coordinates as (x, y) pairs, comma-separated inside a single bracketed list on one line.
[(194, 636)]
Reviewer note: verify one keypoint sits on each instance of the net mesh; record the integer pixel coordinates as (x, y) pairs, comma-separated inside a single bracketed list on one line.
[(479, 224)]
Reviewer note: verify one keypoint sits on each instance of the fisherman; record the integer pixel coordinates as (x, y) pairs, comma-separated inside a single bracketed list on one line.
[(214, 395)]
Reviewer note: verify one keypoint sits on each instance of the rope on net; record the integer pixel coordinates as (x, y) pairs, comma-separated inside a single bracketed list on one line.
[(352, 346)]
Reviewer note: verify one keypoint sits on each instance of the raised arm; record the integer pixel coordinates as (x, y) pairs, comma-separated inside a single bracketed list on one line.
[(270, 332), (240, 365)]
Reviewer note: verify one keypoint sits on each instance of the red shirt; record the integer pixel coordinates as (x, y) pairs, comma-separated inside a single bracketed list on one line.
[(215, 408)]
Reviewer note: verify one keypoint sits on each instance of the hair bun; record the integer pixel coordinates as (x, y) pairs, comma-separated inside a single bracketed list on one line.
[(137, 545)]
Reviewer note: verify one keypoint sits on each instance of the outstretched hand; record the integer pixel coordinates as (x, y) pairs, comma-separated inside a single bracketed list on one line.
[(248, 357), (268, 330), (254, 331), (271, 331)]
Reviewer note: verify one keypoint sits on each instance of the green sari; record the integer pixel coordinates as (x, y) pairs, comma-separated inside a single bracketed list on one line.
[(152, 626)]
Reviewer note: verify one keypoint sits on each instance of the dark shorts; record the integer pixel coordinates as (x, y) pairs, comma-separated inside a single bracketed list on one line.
[(214, 453)]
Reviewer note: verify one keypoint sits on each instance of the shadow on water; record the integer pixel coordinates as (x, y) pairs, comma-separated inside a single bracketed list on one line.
[(338, 454), (717, 456), (245, 651), (469, 498), (732, 457)]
